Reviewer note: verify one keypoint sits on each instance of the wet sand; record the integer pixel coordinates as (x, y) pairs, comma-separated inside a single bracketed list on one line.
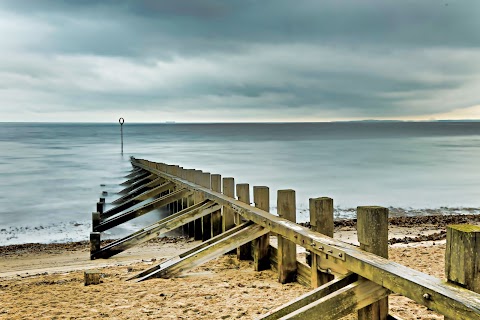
[(46, 281)]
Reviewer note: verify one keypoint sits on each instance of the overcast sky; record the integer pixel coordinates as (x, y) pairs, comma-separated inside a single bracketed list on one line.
[(270, 60)]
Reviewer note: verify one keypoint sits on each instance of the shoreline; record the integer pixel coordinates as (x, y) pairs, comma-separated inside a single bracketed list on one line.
[(51, 275)]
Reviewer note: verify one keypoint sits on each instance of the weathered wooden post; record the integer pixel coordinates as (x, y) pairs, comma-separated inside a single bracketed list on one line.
[(372, 232), (228, 221), (92, 277), (462, 257), (321, 220), (190, 176), (206, 220), (198, 198), (94, 242), (217, 215), (287, 250), (243, 194), (261, 261)]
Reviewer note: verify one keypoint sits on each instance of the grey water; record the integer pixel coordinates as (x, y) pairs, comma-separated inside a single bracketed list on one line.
[(52, 174)]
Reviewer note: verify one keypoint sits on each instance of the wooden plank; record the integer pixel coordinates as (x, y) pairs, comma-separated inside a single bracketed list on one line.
[(214, 250), (303, 270), (228, 215), (155, 230), (206, 220), (198, 197), (138, 183), (310, 297), (243, 193), (217, 215), (321, 220), (444, 298), (341, 302), (137, 199), (190, 251), (134, 173), (136, 178), (287, 250), (372, 232), (462, 257), (261, 198), (152, 205), (141, 189)]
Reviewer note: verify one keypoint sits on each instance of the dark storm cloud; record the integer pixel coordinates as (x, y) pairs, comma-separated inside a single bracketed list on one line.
[(335, 58)]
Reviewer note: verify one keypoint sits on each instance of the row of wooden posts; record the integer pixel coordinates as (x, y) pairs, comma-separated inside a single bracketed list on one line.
[(346, 279)]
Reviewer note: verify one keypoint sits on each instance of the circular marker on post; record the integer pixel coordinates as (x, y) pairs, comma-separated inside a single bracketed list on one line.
[(121, 121)]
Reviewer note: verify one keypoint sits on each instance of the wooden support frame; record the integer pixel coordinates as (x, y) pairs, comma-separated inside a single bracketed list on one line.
[(310, 297), (137, 199), (155, 230), (247, 233), (142, 175), (341, 302), (444, 298), (138, 183), (152, 205), (190, 251), (139, 190)]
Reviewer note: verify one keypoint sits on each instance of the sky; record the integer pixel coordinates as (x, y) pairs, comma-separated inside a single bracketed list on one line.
[(239, 61)]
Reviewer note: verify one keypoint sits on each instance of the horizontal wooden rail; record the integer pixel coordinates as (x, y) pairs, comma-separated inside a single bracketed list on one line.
[(152, 205), (155, 230), (450, 300)]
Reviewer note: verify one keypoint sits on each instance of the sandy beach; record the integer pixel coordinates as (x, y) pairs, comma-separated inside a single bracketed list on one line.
[(47, 281)]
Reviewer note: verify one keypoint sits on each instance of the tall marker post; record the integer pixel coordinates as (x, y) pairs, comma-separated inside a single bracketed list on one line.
[(121, 121)]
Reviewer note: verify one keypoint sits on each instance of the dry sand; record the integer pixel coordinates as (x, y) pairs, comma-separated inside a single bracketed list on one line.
[(46, 282)]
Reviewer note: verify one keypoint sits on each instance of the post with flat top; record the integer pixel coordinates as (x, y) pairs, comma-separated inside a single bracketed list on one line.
[(217, 215), (198, 198), (261, 261), (462, 256), (321, 220), (243, 193), (228, 221), (287, 250), (206, 220), (372, 232)]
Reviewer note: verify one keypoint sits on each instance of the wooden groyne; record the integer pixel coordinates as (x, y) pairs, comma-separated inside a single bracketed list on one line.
[(344, 278)]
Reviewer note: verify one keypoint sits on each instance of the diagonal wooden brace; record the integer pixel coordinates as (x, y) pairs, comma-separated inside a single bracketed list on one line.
[(137, 199), (341, 302), (152, 205), (241, 237), (139, 190), (136, 178), (310, 297), (190, 251), (138, 183), (155, 230)]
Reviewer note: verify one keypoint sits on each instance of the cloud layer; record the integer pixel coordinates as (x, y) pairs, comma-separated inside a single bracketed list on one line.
[(238, 60)]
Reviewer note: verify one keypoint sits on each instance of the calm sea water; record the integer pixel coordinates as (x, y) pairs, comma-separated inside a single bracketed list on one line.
[(51, 175)]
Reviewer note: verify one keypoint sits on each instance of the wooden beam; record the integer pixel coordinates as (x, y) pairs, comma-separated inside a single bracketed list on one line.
[(134, 173), (287, 250), (341, 302), (206, 220), (310, 297), (228, 215), (137, 199), (217, 215), (152, 205), (243, 193), (444, 298), (141, 189), (197, 258), (261, 261), (321, 220), (136, 178), (190, 251), (138, 183), (155, 230)]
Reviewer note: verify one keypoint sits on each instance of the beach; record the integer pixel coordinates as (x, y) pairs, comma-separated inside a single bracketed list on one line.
[(46, 281)]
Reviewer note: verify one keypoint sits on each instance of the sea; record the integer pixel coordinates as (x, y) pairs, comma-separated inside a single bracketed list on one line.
[(52, 174)]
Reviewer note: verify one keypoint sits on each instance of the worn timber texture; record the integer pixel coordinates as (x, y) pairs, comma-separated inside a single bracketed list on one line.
[(444, 298)]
